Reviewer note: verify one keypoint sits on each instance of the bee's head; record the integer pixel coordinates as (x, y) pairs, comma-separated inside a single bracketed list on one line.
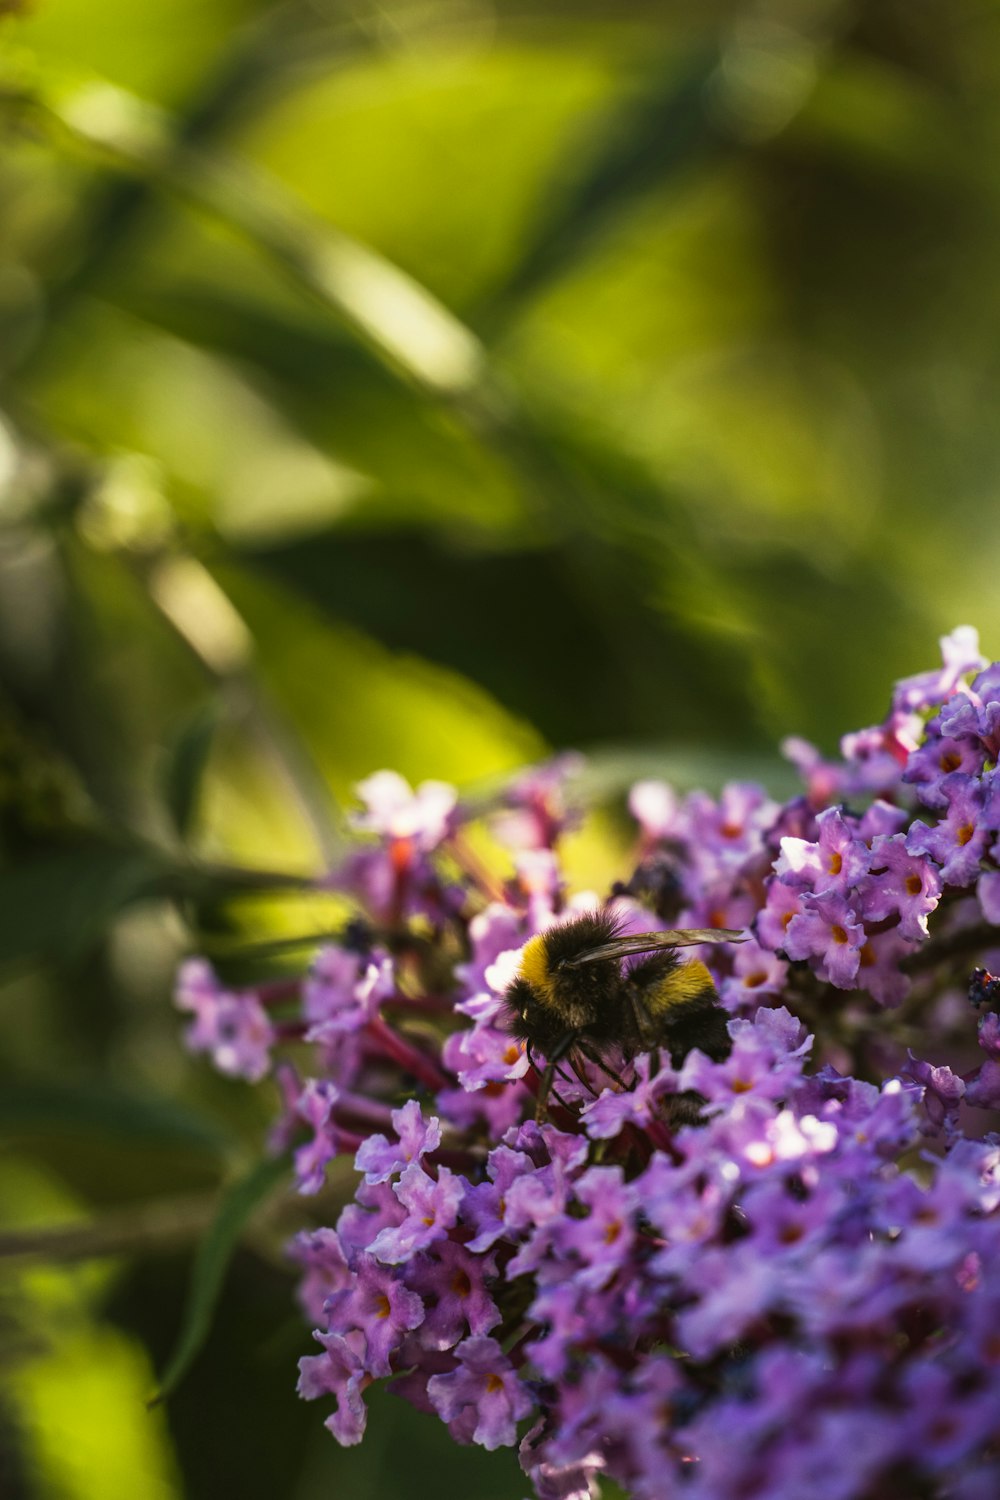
[(524, 1011)]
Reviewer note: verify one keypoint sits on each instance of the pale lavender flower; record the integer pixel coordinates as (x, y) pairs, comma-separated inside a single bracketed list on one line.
[(454, 1280), (602, 1240), (613, 1108), (654, 806), (835, 862), (537, 811), (379, 1158), (758, 976), (881, 971), (431, 1210), (326, 1269), (482, 1055), (380, 1307), (485, 1202), (338, 1372), (960, 654), (230, 1025), (958, 842), (943, 1092), (315, 1106), (394, 811), (343, 992), (485, 1389), (902, 884), (827, 928)]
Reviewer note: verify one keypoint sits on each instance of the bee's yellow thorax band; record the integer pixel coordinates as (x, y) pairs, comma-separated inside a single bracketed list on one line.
[(686, 982), (535, 968)]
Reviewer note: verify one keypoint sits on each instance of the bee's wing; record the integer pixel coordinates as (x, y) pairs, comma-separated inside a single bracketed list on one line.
[(648, 942)]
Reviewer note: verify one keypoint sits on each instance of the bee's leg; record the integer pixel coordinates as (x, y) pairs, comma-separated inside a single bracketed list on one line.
[(565, 1076), (644, 1028), (595, 1057), (581, 1075), (560, 1050)]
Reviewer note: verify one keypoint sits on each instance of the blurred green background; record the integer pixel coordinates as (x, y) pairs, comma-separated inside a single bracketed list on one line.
[(425, 385)]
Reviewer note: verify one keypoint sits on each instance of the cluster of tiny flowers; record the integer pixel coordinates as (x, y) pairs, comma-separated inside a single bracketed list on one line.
[(793, 1296)]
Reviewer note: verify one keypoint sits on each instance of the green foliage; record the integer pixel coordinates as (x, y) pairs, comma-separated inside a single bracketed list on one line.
[(214, 1253), (128, 1118)]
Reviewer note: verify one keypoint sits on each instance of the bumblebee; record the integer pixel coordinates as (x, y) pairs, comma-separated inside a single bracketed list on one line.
[(573, 995)]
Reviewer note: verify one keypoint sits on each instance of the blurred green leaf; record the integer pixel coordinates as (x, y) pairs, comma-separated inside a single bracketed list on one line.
[(184, 764), (656, 134), (403, 323), (213, 1257), (98, 1108), (58, 907)]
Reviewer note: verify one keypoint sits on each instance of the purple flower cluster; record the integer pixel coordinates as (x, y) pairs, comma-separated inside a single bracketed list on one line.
[(791, 1297)]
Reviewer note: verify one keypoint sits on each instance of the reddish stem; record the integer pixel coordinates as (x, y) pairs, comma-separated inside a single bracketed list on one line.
[(289, 1031), (369, 1111), (277, 991), (409, 1057), (468, 860)]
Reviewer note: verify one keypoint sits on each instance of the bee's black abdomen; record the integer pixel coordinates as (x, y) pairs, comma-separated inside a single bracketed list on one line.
[(700, 1023), (652, 970)]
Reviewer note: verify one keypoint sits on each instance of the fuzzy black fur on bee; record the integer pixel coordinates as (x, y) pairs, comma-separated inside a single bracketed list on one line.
[(574, 994)]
